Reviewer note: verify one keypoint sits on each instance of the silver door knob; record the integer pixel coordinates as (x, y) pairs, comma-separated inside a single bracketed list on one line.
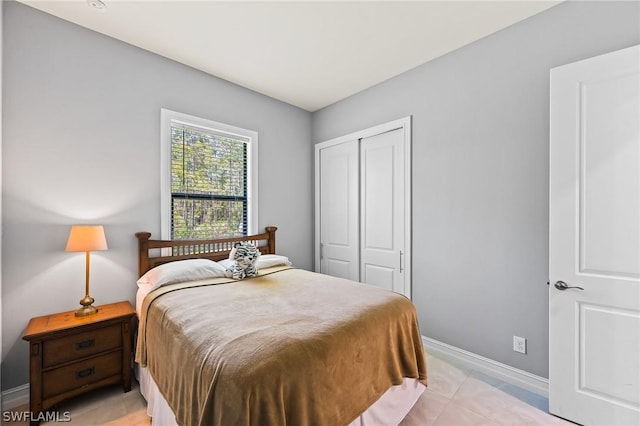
[(561, 285)]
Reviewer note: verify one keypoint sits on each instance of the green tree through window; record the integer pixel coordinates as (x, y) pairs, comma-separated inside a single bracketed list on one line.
[(208, 183)]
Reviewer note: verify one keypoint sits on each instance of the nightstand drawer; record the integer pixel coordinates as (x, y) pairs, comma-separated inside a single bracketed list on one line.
[(69, 348), (74, 376)]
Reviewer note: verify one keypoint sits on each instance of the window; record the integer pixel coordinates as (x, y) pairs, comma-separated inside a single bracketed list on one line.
[(208, 178)]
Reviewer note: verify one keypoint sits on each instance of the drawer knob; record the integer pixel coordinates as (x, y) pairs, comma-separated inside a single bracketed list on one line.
[(84, 344), (85, 373)]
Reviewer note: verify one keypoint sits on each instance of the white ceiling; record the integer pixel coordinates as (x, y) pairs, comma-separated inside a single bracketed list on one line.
[(306, 53)]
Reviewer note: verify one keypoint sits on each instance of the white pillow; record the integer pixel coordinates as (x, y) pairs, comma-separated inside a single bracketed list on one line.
[(226, 263), (180, 271), (264, 261), (269, 260)]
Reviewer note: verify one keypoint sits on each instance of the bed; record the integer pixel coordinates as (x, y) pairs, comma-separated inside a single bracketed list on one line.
[(286, 347)]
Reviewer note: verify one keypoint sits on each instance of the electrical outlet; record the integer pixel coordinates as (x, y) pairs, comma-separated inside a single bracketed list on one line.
[(520, 344)]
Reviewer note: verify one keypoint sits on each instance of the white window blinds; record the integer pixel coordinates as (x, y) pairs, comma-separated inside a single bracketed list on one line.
[(209, 183)]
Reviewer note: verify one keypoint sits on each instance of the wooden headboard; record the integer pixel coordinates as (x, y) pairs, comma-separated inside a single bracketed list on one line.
[(196, 249)]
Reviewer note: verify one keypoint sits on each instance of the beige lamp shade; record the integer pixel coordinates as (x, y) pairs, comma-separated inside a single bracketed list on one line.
[(86, 238)]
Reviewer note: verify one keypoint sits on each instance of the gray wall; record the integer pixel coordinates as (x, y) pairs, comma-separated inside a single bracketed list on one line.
[(81, 145), (480, 173)]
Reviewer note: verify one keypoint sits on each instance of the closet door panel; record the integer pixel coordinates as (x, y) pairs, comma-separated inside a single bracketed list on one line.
[(339, 227), (382, 212), (379, 276)]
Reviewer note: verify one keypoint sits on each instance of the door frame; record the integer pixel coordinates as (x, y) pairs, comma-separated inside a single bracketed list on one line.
[(401, 123)]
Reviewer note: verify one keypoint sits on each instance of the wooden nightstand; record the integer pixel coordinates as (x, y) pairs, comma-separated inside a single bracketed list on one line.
[(71, 355)]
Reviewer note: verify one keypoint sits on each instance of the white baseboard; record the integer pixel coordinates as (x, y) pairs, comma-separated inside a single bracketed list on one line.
[(531, 382), (15, 397)]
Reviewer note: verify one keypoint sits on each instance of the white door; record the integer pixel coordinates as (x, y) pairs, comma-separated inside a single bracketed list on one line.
[(382, 213), (594, 331), (339, 189)]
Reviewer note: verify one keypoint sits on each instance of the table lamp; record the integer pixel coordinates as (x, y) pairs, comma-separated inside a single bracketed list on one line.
[(86, 238)]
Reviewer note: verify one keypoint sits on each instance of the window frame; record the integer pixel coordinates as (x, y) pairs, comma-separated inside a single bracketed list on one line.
[(166, 118)]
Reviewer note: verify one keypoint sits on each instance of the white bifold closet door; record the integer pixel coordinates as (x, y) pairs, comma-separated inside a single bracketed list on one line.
[(339, 251), (362, 209), (382, 210)]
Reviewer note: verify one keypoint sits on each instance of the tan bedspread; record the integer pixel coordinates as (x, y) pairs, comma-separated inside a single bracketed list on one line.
[(290, 347)]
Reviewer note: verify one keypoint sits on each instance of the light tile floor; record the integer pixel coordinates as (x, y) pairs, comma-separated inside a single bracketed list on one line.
[(455, 397), (459, 397)]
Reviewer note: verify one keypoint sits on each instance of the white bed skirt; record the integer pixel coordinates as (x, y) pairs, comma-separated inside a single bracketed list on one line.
[(390, 409)]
